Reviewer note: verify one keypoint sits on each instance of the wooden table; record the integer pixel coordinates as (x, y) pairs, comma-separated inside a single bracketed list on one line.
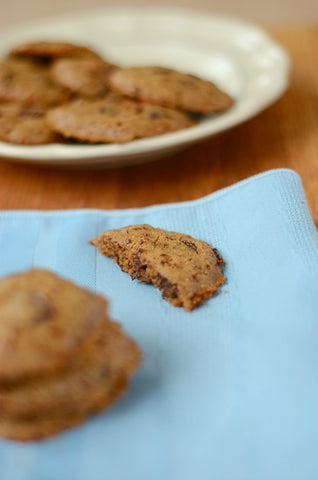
[(285, 135)]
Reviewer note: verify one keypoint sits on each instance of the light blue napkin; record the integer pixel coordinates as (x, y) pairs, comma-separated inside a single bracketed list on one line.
[(226, 392)]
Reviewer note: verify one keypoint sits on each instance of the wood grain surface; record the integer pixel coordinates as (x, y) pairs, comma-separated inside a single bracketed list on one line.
[(285, 135)]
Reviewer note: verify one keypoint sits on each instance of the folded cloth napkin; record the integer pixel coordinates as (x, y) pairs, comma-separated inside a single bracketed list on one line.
[(228, 391)]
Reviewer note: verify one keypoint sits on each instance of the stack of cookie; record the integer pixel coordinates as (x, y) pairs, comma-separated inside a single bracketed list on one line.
[(57, 92), (61, 357)]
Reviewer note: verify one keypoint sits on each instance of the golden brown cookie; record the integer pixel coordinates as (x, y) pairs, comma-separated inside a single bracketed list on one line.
[(83, 75), (108, 355), (43, 426), (25, 125), (170, 88), (114, 119), (26, 82), (50, 50), (44, 321), (185, 270)]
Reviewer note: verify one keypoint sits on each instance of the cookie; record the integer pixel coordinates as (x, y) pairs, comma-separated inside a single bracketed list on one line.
[(26, 430), (25, 125), (187, 271), (44, 321), (109, 355), (25, 82), (49, 50), (44, 426), (84, 76), (61, 356), (170, 88), (114, 119)]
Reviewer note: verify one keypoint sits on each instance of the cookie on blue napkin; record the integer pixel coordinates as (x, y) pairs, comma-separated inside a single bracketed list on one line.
[(61, 356)]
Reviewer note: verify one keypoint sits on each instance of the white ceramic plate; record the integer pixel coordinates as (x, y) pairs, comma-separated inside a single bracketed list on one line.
[(239, 57)]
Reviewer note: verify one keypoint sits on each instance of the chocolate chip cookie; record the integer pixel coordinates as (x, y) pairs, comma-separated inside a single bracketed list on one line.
[(49, 50), (187, 271), (38, 427), (25, 125), (114, 119), (83, 75), (44, 321), (109, 355), (170, 88), (26, 82)]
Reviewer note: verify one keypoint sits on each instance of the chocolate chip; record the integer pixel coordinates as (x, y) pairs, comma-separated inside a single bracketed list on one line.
[(45, 310), (30, 113), (190, 245), (219, 259), (168, 289), (160, 71), (7, 77), (140, 268), (154, 115)]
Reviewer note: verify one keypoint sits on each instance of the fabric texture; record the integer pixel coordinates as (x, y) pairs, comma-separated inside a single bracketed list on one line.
[(228, 391)]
